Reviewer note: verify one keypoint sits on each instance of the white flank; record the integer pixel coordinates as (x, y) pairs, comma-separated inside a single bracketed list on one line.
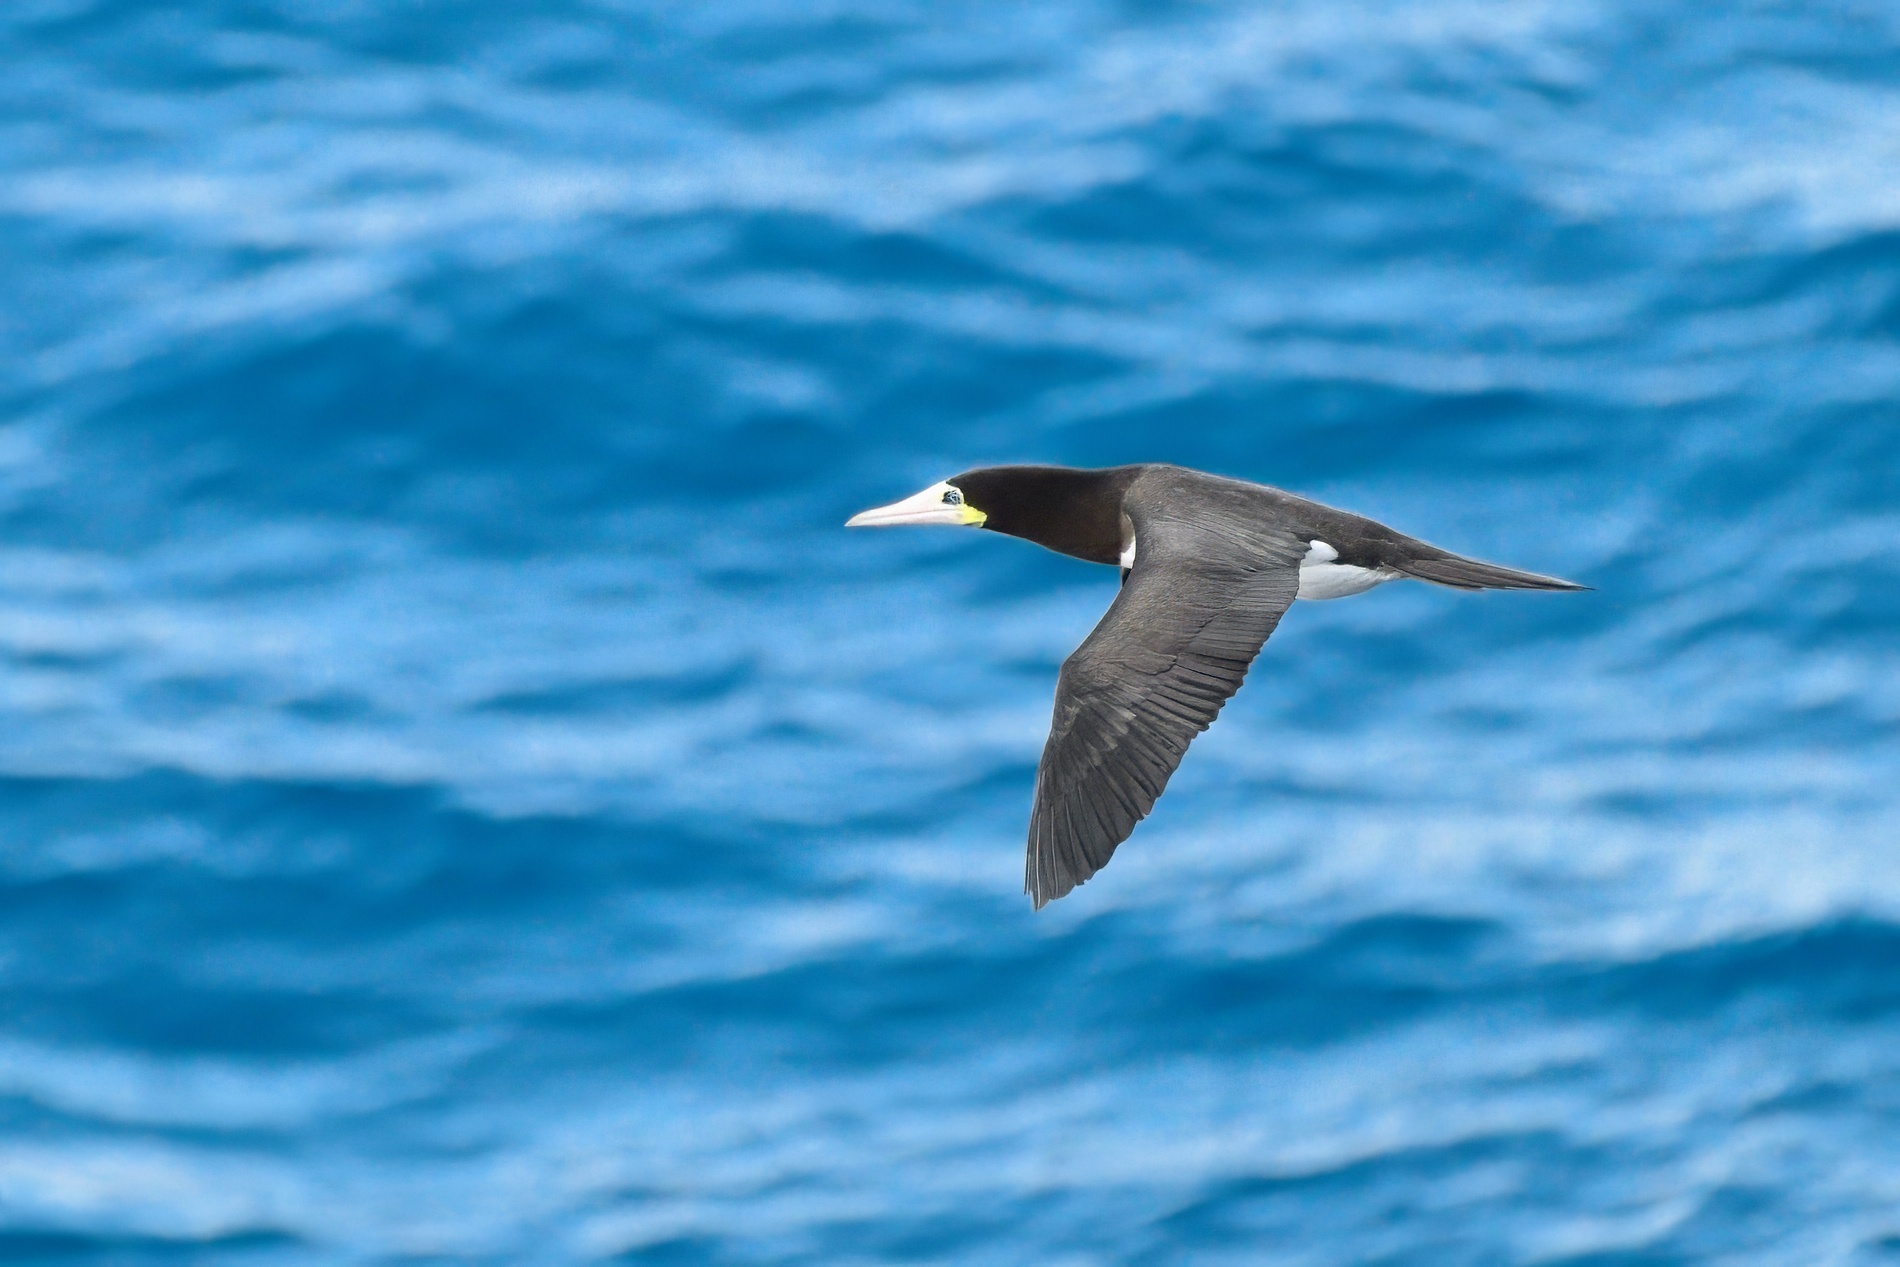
[(1320, 577)]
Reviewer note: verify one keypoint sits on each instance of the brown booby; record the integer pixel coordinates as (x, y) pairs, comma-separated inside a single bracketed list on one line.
[(1209, 565)]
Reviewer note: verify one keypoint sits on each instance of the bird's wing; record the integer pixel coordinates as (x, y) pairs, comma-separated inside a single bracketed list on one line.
[(1205, 593)]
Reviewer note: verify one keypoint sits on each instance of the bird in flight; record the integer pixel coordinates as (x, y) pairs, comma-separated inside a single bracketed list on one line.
[(1208, 565)]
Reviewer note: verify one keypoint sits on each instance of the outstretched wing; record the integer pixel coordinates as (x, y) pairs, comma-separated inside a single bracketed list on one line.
[(1203, 597)]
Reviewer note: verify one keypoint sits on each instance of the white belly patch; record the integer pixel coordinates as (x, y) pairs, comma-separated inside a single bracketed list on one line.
[(1320, 577)]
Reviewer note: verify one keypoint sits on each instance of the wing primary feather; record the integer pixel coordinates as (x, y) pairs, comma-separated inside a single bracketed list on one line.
[(1081, 864), (1205, 592), (1046, 872), (1070, 861)]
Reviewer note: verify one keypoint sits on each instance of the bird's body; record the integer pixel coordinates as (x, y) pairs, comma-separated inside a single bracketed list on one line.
[(1209, 565)]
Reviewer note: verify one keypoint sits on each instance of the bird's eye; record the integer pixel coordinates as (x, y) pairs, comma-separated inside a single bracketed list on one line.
[(952, 497)]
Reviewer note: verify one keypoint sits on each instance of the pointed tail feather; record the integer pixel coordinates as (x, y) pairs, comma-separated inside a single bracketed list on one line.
[(1444, 568)]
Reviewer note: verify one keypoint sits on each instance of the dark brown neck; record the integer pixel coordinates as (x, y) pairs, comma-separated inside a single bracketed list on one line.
[(1070, 511)]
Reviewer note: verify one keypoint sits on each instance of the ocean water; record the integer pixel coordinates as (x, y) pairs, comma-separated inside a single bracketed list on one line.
[(464, 797)]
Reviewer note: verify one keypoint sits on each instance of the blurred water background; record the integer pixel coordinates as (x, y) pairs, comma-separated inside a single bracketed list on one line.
[(464, 798)]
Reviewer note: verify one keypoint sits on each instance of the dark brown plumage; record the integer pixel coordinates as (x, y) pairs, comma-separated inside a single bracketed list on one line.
[(1216, 563)]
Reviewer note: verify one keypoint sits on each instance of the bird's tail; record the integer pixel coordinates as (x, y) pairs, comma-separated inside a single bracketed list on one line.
[(1442, 567)]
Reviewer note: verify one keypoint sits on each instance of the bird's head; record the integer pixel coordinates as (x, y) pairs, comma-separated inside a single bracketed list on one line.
[(1068, 510), (942, 503)]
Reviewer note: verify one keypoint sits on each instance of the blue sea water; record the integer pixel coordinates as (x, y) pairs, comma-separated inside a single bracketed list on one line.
[(464, 798)]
